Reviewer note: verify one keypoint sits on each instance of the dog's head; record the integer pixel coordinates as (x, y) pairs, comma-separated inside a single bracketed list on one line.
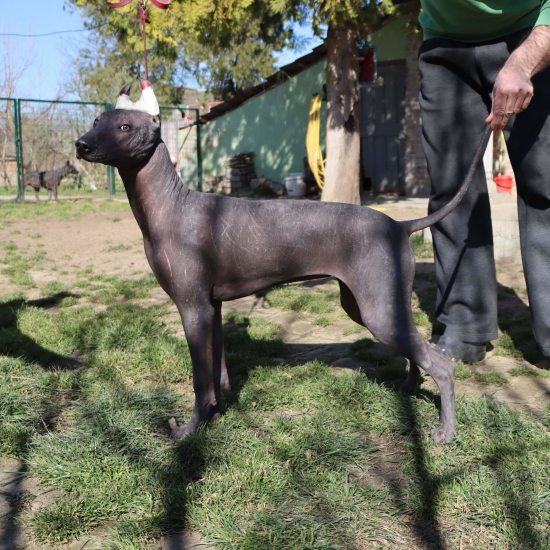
[(120, 138), (125, 136), (72, 169)]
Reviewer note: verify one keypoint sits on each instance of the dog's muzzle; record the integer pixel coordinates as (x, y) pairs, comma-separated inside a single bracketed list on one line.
[(83, 148)]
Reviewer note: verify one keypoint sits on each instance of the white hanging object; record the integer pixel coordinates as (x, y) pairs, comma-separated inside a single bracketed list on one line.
[(147, 102)]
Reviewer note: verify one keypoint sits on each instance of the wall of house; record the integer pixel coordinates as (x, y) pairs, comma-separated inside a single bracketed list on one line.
[(390, 41), (273, 125)]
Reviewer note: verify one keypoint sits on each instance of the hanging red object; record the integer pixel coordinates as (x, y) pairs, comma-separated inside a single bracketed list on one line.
[(367, 67), (162, 4)]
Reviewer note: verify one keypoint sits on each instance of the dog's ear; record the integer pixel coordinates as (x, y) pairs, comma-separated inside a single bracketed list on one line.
[(126, 89), (155, 119)]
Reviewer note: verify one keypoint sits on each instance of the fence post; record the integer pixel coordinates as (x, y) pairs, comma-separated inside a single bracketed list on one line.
[(18, 130), (110, 169), (199, 150)]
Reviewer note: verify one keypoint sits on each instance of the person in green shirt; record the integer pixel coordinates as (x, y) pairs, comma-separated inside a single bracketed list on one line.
[(485, 62)]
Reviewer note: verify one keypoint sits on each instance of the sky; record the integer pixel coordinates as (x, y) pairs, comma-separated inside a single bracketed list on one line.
[(51, 56)]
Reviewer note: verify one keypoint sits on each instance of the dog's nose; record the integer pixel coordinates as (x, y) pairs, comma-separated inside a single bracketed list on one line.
[(82, 145)]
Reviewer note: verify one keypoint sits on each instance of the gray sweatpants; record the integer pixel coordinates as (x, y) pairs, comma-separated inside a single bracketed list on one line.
[(457, 81)]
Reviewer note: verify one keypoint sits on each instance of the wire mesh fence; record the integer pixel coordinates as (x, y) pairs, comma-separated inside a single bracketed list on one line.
[(48, 133), (37, 146), (8, 148)]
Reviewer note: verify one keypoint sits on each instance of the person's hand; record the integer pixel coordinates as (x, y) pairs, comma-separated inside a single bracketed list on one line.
[(512, 94)]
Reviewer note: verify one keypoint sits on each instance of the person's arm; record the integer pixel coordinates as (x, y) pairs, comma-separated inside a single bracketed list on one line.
[(513, 88)]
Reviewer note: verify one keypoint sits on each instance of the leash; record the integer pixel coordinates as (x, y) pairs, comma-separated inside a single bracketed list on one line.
[(162, 4)]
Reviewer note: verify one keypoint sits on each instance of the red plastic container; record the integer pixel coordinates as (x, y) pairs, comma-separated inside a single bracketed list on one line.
[(504, 184)]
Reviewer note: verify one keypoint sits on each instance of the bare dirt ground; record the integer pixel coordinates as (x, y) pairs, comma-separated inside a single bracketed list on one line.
[(111, 244)]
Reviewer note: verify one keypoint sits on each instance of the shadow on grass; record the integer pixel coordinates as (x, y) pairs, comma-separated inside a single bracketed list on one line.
[(15, 343), (118, 445), (389, 370)]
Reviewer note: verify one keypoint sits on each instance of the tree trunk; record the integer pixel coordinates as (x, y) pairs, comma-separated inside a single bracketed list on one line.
[(343, 135)]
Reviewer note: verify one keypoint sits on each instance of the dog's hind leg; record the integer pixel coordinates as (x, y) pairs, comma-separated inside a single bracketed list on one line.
[(350, 306), (392, 324), (411, 345), (199, 320), (220, 374)]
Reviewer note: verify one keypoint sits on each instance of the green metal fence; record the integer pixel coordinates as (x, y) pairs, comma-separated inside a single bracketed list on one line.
[(38, 135)]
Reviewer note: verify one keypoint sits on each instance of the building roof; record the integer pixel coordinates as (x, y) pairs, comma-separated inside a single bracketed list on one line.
[(276, 79)]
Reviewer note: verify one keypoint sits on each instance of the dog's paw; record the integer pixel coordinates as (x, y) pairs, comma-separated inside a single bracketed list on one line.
[(181, 432), (442, 434)]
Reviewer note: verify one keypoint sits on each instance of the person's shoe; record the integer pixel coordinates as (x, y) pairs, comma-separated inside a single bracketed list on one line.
[(457, 350)]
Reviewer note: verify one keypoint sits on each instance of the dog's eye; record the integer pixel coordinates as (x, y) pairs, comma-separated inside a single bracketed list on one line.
[(124, 127)]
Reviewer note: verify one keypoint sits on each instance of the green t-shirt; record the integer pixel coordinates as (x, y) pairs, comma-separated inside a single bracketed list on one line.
[(479, 20)]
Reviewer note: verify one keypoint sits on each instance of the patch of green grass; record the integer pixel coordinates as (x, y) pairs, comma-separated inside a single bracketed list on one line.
[(491, 378), (354, 329), (303, 457), (15, 232), (420, 247), (116, 219), (35, 236), (68, 301), (119, 247), (17, 271), (525, 370), (506, 347), (421, 318), (65, 210), (324, 321), (88, 270), (518, 339), (52, 288), (463, 371), (298, 298), (10, 247)]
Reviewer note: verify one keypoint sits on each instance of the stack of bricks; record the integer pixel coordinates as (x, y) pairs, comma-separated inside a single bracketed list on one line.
[(239, 170)]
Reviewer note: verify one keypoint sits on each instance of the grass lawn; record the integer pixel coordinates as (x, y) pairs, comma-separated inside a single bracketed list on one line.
[(304, 457)]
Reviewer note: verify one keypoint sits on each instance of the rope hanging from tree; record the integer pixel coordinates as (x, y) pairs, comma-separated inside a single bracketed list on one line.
[(162, 4)]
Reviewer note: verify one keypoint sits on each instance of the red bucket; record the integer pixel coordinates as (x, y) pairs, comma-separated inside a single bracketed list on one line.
[(504, 184)]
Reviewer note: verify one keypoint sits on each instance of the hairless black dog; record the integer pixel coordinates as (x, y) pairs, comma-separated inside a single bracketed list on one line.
[(206, 249)]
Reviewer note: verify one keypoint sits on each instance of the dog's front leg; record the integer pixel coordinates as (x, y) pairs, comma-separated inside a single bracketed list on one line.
[(198, 323)]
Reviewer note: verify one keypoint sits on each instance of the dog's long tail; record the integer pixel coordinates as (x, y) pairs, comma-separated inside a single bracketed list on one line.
[(411, 226)]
